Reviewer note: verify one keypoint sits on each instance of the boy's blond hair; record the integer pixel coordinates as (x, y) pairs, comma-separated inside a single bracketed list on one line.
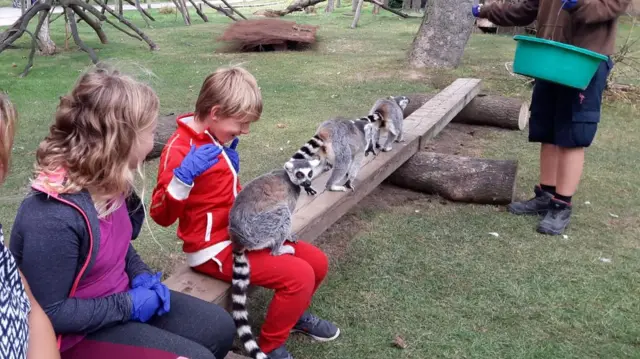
[(96, 127), (235, 90), (8, 119)]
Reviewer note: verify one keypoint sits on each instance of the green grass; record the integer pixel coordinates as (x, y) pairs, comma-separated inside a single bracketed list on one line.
[(435, 277)]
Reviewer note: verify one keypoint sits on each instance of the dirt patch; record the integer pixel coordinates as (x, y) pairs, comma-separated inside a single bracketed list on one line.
[(459, 139)]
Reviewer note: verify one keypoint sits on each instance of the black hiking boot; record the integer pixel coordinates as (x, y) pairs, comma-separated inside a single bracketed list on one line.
[(557, 218), (537, 205)]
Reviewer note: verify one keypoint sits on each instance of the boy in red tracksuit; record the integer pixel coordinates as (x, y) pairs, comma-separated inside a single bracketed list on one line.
[(197, 185)]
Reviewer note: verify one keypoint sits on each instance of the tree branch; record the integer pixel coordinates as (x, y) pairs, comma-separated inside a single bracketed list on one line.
[(401, 14), (218, 8), (34, 43), (17, 29), (233, 9), (200, 13), (144, 37), (94, 25), (76, 36), (143, 13)]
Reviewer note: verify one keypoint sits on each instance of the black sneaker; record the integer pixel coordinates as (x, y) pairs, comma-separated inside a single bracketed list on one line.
[(280, 353), (557, 218), (319, 329), (534, 206)]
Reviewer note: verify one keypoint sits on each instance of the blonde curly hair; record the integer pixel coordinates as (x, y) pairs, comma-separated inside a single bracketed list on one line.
[(96, 128)]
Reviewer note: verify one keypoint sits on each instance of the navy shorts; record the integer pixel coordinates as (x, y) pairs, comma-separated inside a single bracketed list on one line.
[(565, 116)]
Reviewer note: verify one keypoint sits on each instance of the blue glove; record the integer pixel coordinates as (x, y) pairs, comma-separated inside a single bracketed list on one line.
[(144, 304), (475, 10), (146, 280), (196, 162), (233, 155), (569, 4), (153, 282)]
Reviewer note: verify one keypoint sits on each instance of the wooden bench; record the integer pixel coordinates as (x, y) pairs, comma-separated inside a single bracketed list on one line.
[(314, 214)]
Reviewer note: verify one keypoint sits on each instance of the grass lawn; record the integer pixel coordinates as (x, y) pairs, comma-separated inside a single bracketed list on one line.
[(402, 264)]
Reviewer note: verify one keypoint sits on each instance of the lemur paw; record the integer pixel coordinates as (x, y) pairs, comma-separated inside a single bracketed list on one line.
[(349, 185), (287, 249), (310, 191), (293, 238)]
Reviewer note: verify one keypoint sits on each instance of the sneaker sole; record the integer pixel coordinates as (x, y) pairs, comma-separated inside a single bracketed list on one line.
[(531, 213), (551, 231), (320, 339)]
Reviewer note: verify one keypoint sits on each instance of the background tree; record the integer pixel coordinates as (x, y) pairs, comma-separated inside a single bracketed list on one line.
[(443, 34)]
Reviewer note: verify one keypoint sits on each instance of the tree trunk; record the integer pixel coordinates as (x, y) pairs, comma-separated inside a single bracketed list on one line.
[(459, 178), (330, 6), (443, 34), (338, 4), (354, 5), (46, 45), (356, 16), (416, 5), (406, 4), (484, 110)]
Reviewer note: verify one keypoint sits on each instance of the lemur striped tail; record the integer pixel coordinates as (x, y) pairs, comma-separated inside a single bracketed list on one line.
[(315, 143), (239, 289)]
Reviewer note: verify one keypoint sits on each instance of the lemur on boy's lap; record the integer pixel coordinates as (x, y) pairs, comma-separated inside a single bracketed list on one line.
[(261, 218)]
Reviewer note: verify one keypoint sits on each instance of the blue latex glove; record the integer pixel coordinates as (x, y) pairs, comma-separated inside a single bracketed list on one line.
[(154, 282), (146, 280), (233, 155), (144, 304), (196, 162), (475, 10), (569, 4)]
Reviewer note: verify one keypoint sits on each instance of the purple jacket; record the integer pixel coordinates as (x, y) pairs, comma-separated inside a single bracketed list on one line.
[(55, 240)]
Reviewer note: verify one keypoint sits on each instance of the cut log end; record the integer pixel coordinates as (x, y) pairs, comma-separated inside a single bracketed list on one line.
[(523, 117)]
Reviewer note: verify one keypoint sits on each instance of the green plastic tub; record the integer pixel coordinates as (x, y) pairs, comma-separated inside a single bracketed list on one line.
[(555, 62)]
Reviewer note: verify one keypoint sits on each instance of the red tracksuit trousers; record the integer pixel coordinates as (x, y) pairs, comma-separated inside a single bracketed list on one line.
[(294, 278)]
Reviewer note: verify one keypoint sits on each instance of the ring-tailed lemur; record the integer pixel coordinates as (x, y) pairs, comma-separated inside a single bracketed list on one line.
[(391, 108), (341, 144), (261, 218)]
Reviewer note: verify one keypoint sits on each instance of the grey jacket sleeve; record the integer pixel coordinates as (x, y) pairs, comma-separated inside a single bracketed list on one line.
[(48, 248), (134, 264)]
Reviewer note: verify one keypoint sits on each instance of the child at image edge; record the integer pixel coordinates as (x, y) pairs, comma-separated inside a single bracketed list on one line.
[(197, 185), (563, 119)]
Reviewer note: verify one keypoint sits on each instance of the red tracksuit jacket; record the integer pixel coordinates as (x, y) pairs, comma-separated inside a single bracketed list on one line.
[(202, 210)]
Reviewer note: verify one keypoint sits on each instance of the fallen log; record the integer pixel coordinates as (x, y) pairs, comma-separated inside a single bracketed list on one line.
[(487, 110), (164, 129), (459, 178)]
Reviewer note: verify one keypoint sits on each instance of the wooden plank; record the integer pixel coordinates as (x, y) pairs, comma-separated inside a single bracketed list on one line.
[(188, 281), (314, 214)]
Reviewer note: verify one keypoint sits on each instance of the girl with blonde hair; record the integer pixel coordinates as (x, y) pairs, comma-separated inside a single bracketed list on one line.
[(72, 234)]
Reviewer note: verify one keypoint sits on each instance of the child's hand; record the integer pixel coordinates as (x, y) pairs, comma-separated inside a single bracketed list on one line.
[(233, 155), (196, 162), (569, 4)]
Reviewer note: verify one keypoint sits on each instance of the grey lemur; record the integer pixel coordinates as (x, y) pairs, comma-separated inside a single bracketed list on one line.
[(261, 218), (341, 144), (391, 108)]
